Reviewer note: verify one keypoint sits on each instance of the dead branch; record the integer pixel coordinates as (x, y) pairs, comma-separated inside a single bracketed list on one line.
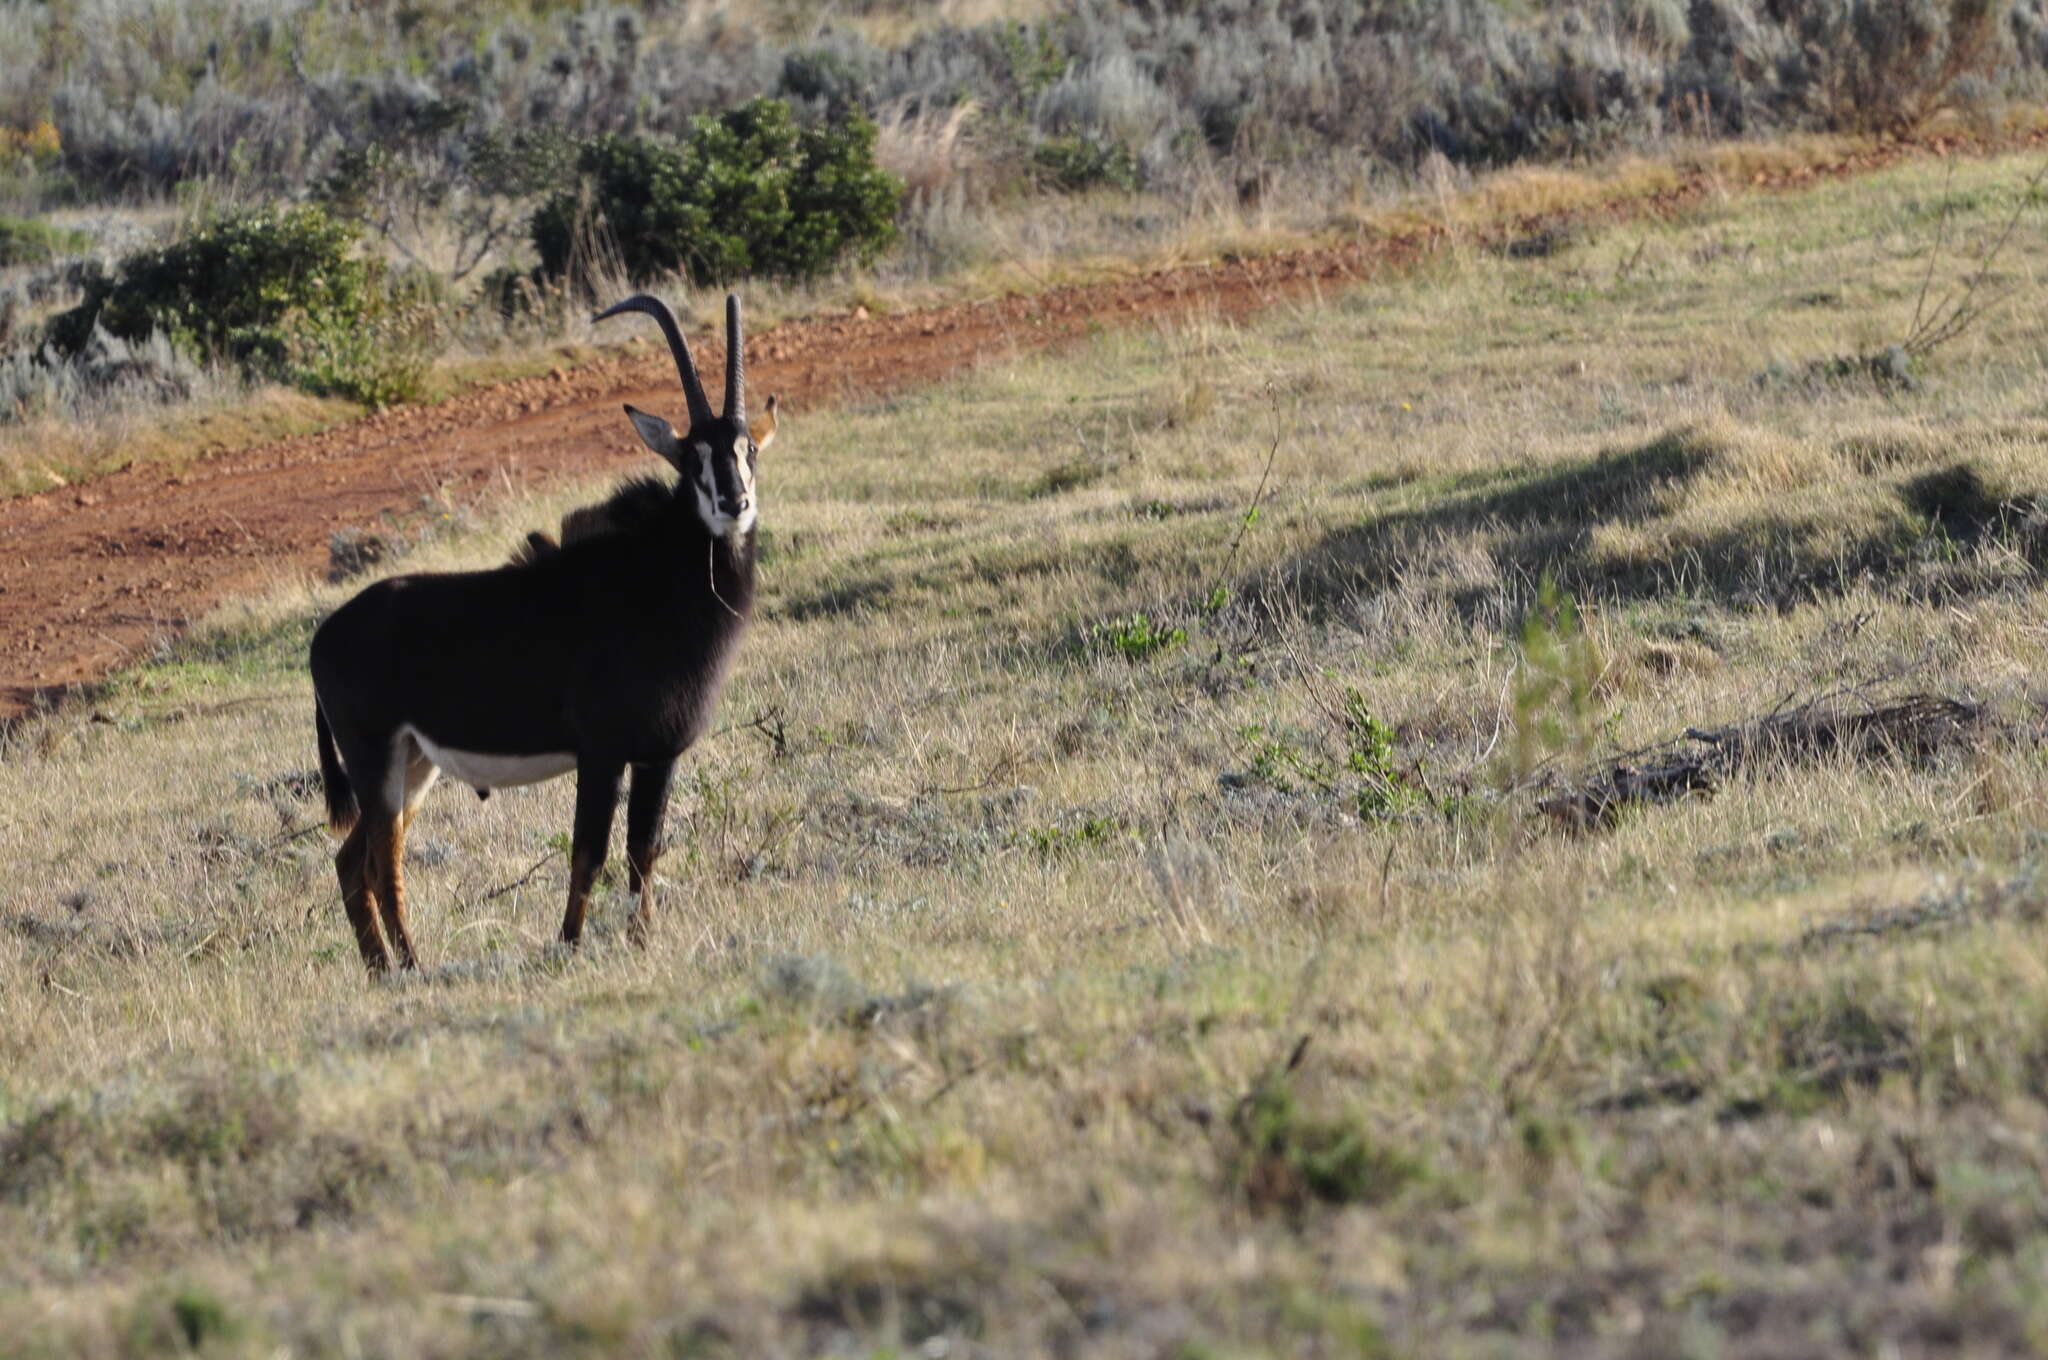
[(1916, 726)]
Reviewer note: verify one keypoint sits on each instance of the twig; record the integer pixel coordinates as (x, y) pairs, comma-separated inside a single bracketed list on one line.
[(196, 950), (482, 1306), (1940, 239), (308, 829), (1941, 328), (997, 769), (711, 577), (519, 882), (768, 722), (950, 1082), (1500, 718), (1628, 266), (1251, 511)]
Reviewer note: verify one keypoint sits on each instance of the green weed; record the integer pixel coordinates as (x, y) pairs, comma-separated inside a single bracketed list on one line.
[(1137, 638)]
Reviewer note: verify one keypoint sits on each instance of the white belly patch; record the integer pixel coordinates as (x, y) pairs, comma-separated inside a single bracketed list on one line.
[(482, 771)]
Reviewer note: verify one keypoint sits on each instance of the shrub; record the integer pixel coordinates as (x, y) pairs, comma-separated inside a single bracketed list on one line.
[(746, 192), (509, 293), (1074, 164), (229, 287), (379, 356), (26, 241), (280, 293), (1286, 1159), (38, 144), (109, 372), (1889, 65)]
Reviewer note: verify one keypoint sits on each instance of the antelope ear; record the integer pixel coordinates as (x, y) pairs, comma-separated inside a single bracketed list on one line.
[(658, 435), (762, 428)]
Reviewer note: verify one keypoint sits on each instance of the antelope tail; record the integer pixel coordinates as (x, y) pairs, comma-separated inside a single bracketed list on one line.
[(341, 798)]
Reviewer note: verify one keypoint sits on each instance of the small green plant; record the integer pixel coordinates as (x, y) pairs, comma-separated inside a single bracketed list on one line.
[(201, 1318), (1554, 698), (1138, 638), (26, 241), (1034, 57), (1367, 777), (1383, 791), (1277, 761), (1285, 1159), (1073, 165), (1057, 840), (747, 192)]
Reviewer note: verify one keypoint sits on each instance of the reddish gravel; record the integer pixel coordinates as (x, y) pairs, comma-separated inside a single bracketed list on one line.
[(91, 573)]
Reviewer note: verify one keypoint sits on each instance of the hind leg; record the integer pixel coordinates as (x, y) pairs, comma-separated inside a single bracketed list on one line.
[(386, 839), (351, 866), (385, 836), (420, 774)]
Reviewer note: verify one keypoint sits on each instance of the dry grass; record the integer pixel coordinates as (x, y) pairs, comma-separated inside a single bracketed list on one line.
[(963, 238), (992, 920), (49, 452)]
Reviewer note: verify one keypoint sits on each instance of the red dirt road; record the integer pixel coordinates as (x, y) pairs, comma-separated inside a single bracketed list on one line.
[(91, 574)]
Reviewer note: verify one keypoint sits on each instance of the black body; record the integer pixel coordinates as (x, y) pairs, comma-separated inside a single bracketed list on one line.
[(611, 647), (608, 649)]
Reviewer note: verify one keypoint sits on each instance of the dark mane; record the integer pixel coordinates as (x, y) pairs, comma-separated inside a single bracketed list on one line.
[(639, 503)]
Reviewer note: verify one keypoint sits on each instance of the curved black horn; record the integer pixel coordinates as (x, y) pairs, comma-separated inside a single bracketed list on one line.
[(735, 364), (686, 367)]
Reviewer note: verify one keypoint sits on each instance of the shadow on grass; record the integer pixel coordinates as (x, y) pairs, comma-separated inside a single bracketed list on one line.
[(1960, 537)]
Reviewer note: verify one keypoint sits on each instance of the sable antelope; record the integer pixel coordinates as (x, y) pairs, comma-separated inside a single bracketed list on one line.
[(600, 653)]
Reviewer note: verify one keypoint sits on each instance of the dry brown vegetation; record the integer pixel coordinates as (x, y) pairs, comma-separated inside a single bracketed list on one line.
[(1108, 926)]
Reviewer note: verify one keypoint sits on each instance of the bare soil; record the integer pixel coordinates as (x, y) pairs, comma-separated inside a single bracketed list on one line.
[(90, 574)]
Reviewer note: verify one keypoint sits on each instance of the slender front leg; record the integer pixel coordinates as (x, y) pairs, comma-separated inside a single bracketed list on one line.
[(597, 796), (644, 809)]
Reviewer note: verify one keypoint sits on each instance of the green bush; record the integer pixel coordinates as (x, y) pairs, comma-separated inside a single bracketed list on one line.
[(26, 241), (746, 192), (1073, 165), (379, 356), (1286, 1159), (227, 288), (279, 292)]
